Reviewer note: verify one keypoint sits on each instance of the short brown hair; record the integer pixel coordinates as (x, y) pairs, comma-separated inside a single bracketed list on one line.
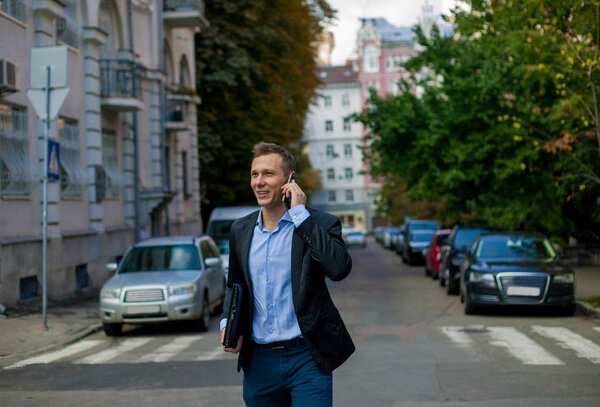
[(288, 163)]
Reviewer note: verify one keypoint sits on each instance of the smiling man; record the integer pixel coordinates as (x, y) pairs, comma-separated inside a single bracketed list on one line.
[(293, 336)]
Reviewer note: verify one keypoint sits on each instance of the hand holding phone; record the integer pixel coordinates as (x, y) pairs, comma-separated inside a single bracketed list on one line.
[(287, 201)]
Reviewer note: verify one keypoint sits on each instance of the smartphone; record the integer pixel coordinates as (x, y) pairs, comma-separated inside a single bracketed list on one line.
[(287, 201)]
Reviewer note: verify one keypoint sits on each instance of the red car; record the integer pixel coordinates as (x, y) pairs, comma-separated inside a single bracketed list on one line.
[(434, 252)]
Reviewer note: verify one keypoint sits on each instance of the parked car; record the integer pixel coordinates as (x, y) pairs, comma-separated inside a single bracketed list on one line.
[(417, 243), (411, 226), (356, 238), (378, 232), (164, 279), (397, 241), (388, 235), (219, 224), (515, 269), (433, 253), (459, 241)]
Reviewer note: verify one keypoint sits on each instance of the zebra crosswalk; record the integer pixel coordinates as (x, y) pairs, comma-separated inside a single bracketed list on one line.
[(129, 350), (525, 346)]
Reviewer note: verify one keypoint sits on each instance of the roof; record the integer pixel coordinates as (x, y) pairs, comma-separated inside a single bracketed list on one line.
[(337, 74), (389, 32)]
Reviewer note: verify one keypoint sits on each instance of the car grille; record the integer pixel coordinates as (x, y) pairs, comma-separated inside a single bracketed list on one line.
[(534, 280), (145, 295)]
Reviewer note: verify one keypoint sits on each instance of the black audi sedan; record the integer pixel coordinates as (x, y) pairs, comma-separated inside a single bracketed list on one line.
[(515, 269)]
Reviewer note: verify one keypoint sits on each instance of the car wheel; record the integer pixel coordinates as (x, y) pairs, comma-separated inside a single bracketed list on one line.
[(204, 320), (470, 306), (112, 329), (442, 280), (451, 288), (434, 275), (427, 271), (569, 310)]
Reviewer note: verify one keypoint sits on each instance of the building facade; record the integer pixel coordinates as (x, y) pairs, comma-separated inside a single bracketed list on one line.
[(127, 134), (333, 140)]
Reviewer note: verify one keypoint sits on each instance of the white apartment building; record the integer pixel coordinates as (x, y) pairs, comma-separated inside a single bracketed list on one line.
[(333, 142), (130, 114)]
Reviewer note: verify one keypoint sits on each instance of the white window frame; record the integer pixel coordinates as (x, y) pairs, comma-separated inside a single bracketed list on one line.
[(347, 150), (331, 196), (329, 126), (348, 173), (110, 162), (72, 174), (331, 173), (349, 195), (17, 173)]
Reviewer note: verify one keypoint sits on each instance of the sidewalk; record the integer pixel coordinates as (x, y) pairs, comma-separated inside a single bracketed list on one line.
[(22, 332)]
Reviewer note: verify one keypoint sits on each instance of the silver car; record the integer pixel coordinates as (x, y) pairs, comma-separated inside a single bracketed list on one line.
[(164, 279)]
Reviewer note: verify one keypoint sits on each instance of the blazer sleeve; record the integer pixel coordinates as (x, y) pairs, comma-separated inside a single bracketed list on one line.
[(234, 275), (322, 234)]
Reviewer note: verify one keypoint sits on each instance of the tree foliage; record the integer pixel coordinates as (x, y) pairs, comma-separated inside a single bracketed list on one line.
[(255, 76), (507, 128)]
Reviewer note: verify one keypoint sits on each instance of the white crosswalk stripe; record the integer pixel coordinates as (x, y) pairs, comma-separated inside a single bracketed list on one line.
[(457, 335), (597, 328), (59, 354), (114, 352), (521, 346), (567, 339), (216, 353), (169, 350)]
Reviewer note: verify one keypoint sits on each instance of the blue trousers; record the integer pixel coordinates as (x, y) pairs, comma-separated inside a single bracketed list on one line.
[(287, 377)]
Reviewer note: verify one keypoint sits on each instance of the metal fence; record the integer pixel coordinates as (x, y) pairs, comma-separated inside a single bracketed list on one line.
[(116, 78), (17, 173), (180, 5)]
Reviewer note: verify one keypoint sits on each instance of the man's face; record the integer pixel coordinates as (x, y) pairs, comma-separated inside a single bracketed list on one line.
[(267, 178)]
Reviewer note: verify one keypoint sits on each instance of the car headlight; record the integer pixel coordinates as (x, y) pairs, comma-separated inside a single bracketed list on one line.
[(567, 278), (110, 292), (181, 289), (482, 278), (456, 261)]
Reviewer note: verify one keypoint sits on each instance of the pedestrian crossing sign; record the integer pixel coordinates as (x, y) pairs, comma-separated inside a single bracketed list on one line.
[(53, 169)]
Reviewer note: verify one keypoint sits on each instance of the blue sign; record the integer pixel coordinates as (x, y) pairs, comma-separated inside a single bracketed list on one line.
[(53, 160)]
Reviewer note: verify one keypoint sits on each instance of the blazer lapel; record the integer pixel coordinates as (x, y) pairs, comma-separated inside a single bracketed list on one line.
[(297, 254), (245, 240)]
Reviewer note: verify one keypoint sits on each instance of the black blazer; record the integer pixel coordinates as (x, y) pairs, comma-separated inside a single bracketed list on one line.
[(318, 251)]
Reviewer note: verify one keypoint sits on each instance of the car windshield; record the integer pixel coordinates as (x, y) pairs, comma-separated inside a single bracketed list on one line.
[(393, 231), (519, 247), (359, 234), (422, 226), (219, 229), (464, 238), (421, 237), (161, 258), (223, 246)]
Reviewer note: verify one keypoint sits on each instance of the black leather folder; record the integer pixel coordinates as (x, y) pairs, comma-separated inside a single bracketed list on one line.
[(233, 328)]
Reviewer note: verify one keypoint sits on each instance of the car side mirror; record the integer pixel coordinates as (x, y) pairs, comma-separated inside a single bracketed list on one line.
[(212, 261), (111, 267)]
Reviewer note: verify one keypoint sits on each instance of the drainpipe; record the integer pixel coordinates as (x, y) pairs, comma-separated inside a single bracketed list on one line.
[(163, 112), (136, 170)]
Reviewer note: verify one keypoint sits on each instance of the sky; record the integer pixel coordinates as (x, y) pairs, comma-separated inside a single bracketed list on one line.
[(397, 12)]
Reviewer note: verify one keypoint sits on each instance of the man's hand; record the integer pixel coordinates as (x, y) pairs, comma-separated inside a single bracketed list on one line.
[(293, 189), (235, 350)]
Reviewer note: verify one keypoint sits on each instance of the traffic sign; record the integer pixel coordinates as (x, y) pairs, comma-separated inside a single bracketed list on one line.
[(53, 169), (37, 97), (41, 59)]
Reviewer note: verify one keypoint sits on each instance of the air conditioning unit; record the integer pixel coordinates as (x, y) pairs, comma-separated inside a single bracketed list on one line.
[(9, 76)]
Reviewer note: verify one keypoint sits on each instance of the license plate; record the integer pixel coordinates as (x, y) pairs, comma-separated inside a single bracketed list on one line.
[(523, 291), (143, 309)]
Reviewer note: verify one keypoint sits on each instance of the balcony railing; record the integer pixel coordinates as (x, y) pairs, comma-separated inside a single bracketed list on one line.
[(184, 5), (14, 8), (176, 112), (184, 13), (117, 85)]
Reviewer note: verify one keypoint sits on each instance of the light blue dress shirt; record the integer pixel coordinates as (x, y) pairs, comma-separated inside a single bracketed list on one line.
[(270, 269)]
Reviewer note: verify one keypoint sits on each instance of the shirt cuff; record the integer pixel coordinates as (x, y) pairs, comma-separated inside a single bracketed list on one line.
[(298, 214), (222, 324)]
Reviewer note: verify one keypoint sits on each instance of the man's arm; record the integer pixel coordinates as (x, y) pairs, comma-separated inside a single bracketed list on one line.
[(234, 275)]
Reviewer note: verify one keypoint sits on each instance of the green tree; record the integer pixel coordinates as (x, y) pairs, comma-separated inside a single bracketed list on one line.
[(255, 76), (503, 133)]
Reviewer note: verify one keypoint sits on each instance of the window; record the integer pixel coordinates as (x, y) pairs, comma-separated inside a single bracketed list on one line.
[(393, 62), (67, 28), (184, 175), (328, 126), (330, 173), (394, 87), (327, 100), (329, 151), (14, 8), (371, 85), (331, 196), (347, 150), (345, 100), (347, 125), (371, 59), (110, 162), (348, 173), (16, 171), (349, 195), (72, 175)]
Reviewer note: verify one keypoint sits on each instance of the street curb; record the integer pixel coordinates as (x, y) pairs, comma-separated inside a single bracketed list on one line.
[(588, 310)]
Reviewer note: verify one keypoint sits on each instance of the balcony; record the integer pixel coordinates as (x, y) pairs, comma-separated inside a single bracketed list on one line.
[(14, 8), (184, 13), (176, 115), (117, 87)]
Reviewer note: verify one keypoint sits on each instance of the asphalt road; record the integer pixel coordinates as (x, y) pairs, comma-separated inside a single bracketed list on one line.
[(415, 347)]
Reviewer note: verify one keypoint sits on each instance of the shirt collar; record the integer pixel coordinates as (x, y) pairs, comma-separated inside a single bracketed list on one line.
[(285, 218)]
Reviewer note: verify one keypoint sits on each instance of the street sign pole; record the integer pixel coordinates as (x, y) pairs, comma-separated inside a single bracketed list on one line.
[(45, 205)]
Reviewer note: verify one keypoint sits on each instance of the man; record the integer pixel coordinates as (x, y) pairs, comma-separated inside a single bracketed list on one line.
[(293, 336)]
